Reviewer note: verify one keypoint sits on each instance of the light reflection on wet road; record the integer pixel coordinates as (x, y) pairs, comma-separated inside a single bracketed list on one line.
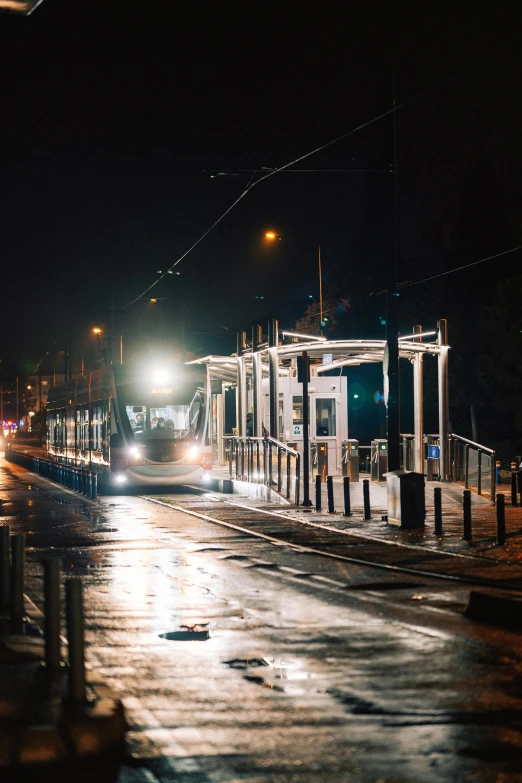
[(341, 685)]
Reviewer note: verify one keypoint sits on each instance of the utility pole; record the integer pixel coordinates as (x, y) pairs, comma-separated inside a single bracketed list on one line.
[(391, 352)]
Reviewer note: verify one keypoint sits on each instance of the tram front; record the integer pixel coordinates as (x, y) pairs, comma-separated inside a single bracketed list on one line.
[(163, 421)]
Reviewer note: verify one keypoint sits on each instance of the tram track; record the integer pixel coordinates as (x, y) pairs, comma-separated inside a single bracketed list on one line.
[(315, 538)]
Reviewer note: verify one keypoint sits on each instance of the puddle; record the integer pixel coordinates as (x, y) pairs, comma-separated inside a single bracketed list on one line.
[(188, 633), (246, 663)]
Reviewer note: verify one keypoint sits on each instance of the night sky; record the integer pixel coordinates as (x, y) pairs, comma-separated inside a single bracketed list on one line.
[(113, 112)]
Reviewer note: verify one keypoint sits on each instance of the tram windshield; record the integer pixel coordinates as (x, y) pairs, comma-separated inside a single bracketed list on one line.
[(169, 420)]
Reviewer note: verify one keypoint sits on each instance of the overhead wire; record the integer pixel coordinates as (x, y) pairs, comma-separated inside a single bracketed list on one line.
[(254, 182)]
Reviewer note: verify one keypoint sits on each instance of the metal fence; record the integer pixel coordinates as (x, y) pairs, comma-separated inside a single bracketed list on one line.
[(265, 461), (473, 464)]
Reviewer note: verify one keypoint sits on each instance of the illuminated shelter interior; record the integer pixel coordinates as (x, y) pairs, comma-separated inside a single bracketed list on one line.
[(248, 369)]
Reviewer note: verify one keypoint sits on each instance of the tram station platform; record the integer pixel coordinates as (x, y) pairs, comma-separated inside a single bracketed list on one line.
[(483, 527)]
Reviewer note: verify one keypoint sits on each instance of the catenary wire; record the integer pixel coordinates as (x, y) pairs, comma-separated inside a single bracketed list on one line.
[(253, 182)]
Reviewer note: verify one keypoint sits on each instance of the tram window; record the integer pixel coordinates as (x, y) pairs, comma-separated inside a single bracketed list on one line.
[(97, 427), (325, 411)]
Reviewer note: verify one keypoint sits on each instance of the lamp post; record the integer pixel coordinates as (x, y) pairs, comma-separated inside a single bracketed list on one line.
[(271, 236)]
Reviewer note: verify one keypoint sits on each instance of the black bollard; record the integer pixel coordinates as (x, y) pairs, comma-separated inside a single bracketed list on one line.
[(17, 582), (5, 569), (53, 656), (346, 492), (466, 503), (501, 521), (366, 498), (75, 637), (514, 488), (437, 501), (329, 491), (318, 493)]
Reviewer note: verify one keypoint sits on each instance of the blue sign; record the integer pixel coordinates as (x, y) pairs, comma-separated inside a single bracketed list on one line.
[(433, 452)]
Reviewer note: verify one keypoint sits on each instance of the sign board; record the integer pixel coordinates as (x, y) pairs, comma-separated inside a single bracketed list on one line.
[(327, 359), (298, 430), (433, 452)]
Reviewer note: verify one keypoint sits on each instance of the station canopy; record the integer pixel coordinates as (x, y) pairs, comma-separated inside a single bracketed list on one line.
[(324, 355)]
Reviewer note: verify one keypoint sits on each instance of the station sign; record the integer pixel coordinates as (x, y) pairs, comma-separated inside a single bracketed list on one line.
[(433, 452)]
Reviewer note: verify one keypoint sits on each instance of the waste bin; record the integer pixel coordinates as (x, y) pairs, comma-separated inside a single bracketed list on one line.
[(350, 459), (319, 459), (406, 501), (379, 459)]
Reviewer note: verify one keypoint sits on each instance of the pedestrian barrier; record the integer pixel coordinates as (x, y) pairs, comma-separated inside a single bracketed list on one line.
[(474, 465), (81, 480), (265, 461)]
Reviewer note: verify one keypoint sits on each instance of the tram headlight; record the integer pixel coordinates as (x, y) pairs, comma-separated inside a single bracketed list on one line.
[(192, 453), (134, 452), (120, 478)]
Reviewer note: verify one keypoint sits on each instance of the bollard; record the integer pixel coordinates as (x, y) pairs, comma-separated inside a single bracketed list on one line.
[(89, 484), (17, 582), (501, 521), (346, 492), (366, 498), (75, 637), (94, 485), (5, 569), (329, 491), (514, 477), (466, 502), (318, 493), (497, 471), (437, 500), (53, 656)]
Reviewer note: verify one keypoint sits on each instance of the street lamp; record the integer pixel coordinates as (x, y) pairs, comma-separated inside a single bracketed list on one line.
[(271, 236)]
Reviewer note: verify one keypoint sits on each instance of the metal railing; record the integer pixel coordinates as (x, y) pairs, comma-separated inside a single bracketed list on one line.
[(473, 464), (265, 461), (81, 480)]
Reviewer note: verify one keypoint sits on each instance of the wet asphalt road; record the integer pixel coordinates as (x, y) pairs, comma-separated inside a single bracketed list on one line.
[(300, 679)]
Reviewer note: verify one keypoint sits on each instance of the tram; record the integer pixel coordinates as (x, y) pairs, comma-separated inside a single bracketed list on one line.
[(133, 429)]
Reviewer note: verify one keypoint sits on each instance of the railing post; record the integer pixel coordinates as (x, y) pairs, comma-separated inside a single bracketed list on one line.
[(75, 637), (466, 503), (230, 458), (366, 498), (437, 501), (266, 472), (297, 479), (236, 449), (479, 471), (17, 582), (242, 446), (501, 521), (318, 492), (279, 469), (329, 491), (258, 460), (346, 493), (288, 474), (466, 466), (53, 655), (5, 569), (514, 489), (270, 466)]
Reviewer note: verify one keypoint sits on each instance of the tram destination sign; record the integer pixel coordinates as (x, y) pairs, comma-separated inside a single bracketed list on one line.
[(161, 391)]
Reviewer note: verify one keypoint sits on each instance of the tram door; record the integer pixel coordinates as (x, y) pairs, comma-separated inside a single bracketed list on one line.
[(324, 425)]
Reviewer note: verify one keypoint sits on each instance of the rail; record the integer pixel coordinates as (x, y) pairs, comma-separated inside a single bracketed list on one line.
[(260, 461), (470, 463)]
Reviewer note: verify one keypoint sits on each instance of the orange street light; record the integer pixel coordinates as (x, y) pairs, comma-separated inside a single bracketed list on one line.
[(272, 235), (97, 330)]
